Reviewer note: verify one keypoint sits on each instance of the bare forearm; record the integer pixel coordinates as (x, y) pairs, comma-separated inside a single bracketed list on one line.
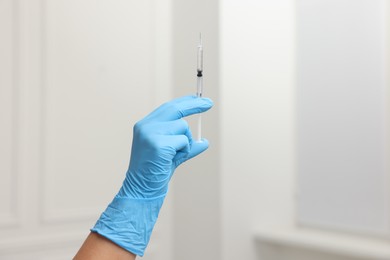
[(97, 247)]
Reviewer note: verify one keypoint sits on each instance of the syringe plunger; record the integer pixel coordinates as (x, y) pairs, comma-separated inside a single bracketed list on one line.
[(200, 57)]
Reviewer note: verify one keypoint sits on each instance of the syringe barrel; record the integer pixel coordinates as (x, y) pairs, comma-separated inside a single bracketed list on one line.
[(199, 87), (200, 59)]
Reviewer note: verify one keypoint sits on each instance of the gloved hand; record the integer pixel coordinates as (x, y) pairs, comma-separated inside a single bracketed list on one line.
[(161, 142)]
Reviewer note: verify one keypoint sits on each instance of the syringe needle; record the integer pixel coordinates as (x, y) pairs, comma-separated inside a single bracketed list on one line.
[(199, 85)]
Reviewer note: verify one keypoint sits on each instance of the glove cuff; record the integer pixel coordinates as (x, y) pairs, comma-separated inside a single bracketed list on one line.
[(129, 222)]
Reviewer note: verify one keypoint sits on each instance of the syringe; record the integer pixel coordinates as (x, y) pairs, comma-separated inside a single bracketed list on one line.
[(199, 84)]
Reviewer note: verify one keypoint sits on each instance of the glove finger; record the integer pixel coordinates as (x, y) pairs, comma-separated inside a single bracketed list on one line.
[(196, 149), (180, 107), (176, 127), (178, 143)]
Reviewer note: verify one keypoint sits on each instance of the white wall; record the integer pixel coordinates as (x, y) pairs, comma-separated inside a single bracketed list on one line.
[(75, 78), (342, 135), (69, 97), (258, 139), (257, 121), (196, 184)]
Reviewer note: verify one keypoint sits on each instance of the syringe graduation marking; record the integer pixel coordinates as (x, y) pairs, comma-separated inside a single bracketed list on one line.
[(199, 68), (199, 83)]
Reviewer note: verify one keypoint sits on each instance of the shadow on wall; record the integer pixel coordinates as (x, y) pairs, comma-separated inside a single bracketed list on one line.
[(267, 251)]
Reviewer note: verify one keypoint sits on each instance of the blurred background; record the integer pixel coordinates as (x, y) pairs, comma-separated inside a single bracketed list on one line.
[(298, 164)]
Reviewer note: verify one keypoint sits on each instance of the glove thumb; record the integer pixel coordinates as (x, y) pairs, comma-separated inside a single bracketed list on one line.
[(197, 147)]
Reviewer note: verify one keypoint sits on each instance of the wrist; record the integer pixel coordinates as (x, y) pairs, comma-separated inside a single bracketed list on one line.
[(129, 222), (137, 186)]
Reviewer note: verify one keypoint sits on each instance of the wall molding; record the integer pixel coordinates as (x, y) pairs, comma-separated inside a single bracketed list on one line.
[(49, 213), (44, 227), (41, 242), (11, 219), (57, 216), (326, 242), (46, 214)]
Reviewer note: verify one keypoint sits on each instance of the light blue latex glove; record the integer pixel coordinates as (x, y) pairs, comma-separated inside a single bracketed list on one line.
[(161, 142)]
